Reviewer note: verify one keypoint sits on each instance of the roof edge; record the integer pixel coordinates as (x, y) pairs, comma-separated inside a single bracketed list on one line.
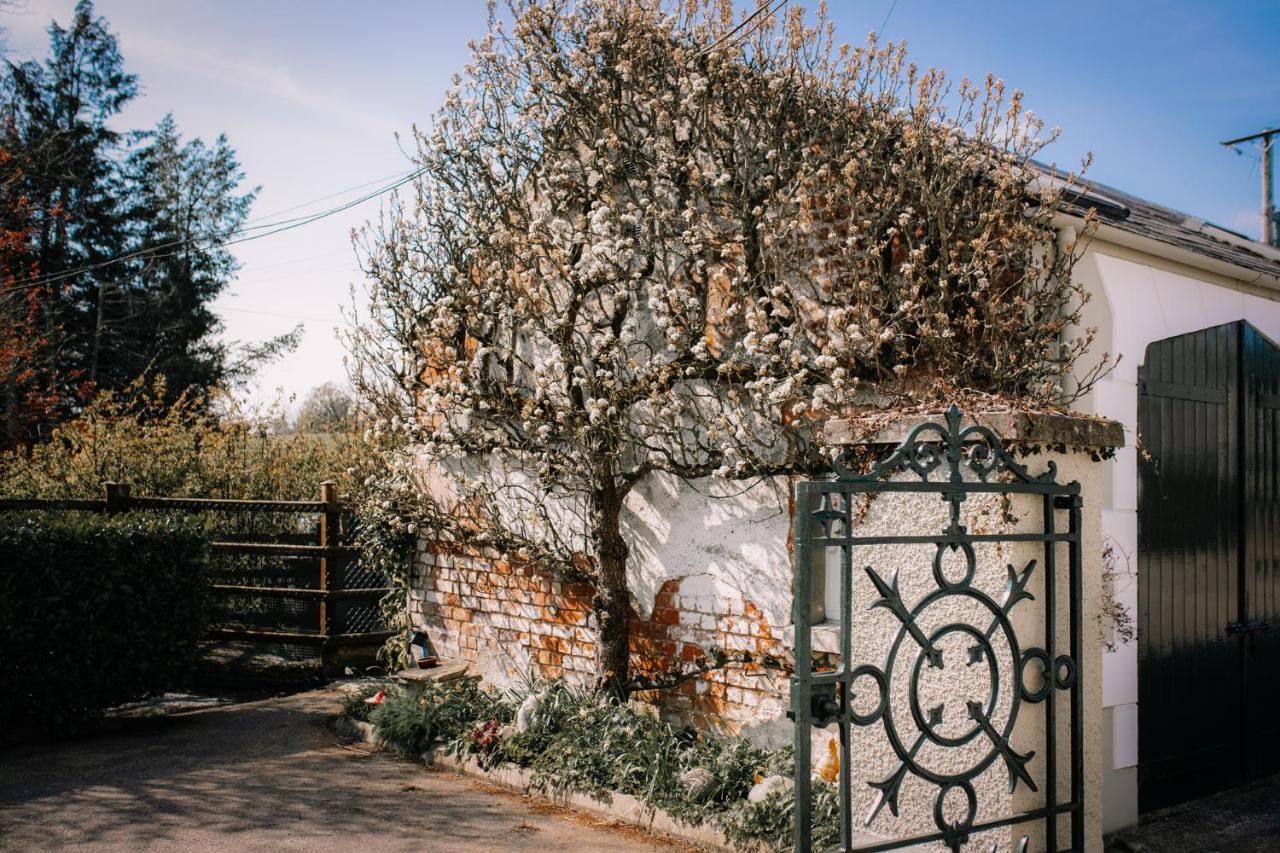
[(1159, 248)]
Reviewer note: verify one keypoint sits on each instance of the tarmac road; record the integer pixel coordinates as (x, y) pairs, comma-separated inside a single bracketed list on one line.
[(268, 775)]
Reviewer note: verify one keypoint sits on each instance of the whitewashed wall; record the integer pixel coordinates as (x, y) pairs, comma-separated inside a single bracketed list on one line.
[(720, 535)]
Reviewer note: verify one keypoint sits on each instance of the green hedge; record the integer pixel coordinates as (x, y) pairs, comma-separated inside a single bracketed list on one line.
[(96, 611)]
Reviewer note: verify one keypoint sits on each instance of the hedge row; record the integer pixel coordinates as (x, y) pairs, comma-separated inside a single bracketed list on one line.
[(96, 611)]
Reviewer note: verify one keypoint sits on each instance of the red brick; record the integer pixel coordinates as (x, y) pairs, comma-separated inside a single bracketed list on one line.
[(666, 616)]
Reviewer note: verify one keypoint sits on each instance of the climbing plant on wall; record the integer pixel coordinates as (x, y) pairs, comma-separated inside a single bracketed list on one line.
[(649, 238)]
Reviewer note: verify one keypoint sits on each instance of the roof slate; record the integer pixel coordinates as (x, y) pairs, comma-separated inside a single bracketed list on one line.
[(1135, 215)]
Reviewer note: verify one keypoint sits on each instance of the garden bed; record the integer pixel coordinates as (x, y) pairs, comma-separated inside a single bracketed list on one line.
[(588, 753), (619, 807)]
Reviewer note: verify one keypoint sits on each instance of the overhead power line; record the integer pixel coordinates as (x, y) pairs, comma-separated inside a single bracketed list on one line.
[(269, 229), (374, 182), (887, 16), (762, 13), (220, 308), (343, 267), (302, 260)]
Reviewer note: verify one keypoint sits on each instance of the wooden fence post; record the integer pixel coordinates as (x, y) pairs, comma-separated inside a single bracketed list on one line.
[(330, 521), (117, 496)]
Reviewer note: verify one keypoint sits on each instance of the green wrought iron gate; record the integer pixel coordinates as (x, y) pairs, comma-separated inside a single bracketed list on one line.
[(1208, 563), (861, 686)]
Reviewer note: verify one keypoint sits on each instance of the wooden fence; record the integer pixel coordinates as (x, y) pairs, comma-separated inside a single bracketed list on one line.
[(336, 605)]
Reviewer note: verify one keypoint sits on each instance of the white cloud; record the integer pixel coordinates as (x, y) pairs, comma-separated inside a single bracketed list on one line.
[(26, 37), (270, 79)]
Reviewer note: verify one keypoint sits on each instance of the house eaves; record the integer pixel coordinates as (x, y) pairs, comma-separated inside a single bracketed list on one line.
[(1145, 226)]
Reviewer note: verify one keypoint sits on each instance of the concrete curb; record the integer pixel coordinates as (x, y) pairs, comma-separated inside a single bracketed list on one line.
[(622, 808)]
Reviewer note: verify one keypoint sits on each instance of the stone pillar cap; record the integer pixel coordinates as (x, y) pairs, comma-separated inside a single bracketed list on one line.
[(1020, 427)]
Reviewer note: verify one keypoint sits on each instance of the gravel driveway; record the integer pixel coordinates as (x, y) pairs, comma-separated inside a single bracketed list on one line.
[(266, 775)]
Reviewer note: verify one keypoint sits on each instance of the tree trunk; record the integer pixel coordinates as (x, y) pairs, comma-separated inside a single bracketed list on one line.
[(612, 602), (9, 401), (98, 326)]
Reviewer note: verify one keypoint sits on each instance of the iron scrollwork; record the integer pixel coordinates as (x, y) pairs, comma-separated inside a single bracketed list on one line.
[(972, 459), (975, 448)]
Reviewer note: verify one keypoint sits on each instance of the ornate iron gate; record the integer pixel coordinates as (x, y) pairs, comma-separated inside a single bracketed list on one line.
[(969, 460)]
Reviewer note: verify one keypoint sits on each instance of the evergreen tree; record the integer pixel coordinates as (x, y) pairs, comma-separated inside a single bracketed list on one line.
[(125, 227), (58, 113), (182, 202)]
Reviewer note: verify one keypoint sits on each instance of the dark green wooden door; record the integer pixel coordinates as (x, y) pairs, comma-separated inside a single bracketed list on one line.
[(1208, 592), (1261, 603)]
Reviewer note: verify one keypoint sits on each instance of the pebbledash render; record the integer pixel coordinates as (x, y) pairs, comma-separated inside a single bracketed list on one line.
[(710, 560)]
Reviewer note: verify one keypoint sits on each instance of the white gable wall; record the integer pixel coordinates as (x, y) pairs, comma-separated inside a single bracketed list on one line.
[(1137, 299)]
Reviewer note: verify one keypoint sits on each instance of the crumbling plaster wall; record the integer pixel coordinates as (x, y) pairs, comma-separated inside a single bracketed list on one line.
[(725, 539), (709, 568)]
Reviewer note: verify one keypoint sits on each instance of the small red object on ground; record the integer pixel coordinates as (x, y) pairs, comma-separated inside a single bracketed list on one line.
[(376, 699)]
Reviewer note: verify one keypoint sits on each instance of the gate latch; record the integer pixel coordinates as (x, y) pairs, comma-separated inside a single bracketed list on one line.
[(1249, 627), (824, 707)]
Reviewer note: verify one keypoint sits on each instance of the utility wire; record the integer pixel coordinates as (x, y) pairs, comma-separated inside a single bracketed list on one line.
[(759, 24), (254, 281), (218, 308), (269, 229), (768, 6), (374, 182), (295, 261), (279, 226), (887, 16)]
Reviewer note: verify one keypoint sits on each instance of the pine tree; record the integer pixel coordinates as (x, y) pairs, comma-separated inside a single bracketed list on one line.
[(126, 227), (59, 111), (182, 201)]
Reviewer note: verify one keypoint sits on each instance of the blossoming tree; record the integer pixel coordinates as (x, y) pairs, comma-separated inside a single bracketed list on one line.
[(653, 237)]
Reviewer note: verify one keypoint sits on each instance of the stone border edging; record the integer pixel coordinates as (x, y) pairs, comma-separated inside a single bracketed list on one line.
[(622, 808)]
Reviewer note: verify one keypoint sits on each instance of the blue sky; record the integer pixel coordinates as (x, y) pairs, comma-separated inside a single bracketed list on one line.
[(312, 94)]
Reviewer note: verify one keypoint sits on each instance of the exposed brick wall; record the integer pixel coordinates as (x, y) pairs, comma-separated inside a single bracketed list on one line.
[(506, 618), (683, 627), (511, 619)]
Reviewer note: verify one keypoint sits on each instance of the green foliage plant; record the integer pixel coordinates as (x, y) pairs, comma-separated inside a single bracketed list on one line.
[(95, 612), (199, 445), (584, 741), (411, 723), (213, 446), (355, 705)]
